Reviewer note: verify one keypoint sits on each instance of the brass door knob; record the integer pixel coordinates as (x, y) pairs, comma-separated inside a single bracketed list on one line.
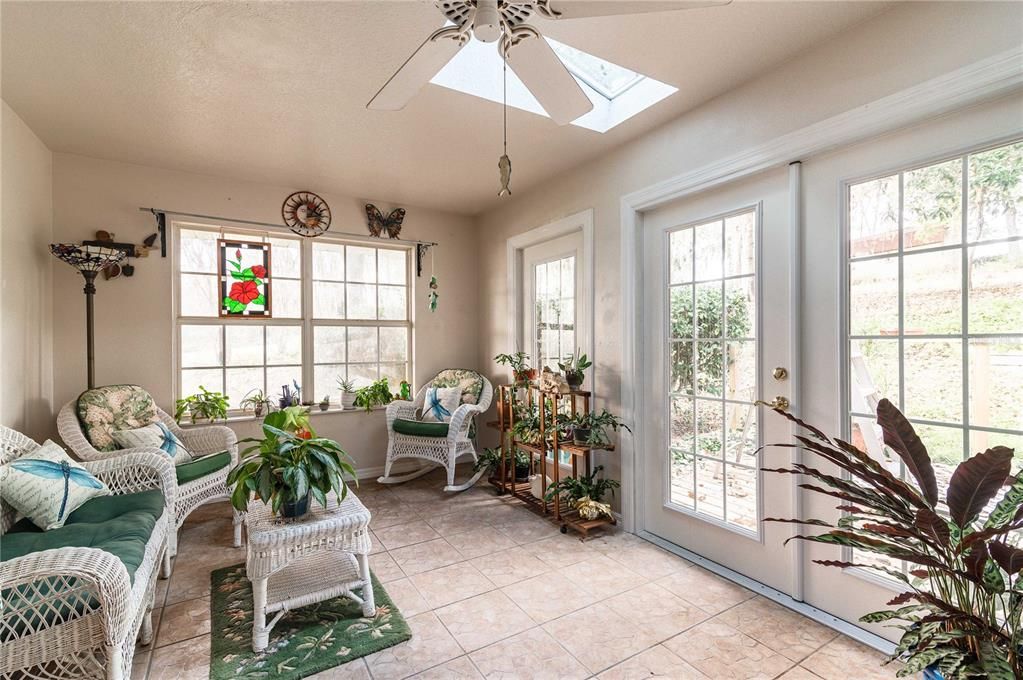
[(781, 403), (780, 373)]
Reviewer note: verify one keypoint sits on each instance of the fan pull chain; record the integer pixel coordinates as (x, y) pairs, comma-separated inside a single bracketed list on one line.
[(504, 163)]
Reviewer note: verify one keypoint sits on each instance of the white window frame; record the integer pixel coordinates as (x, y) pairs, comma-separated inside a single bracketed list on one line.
[(305, 320)]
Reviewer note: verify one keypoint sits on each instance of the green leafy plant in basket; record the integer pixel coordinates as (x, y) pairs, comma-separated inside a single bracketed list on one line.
[(375, 394), (284, 469), (203, 405), (585, 493), (962, 601)]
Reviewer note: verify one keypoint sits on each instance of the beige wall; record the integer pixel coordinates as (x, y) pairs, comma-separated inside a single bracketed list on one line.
[(134, 324), (897, 49), (26, 230)]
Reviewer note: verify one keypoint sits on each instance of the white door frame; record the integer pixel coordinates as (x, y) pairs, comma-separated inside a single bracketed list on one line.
[(982, 81), (580, 221)]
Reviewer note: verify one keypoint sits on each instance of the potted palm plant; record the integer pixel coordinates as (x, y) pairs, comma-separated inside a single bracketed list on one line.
[(962, 601), (347, 388), (287, 467), (203, 406)]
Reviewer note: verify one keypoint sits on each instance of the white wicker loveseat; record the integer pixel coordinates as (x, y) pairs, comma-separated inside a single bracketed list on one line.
[(437, 443), (76, 612), (85, 425)]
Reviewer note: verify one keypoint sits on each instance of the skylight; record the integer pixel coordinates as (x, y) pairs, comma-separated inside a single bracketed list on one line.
[(616, 92)]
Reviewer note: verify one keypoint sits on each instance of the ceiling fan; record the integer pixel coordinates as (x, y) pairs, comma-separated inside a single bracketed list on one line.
[(522, 45)]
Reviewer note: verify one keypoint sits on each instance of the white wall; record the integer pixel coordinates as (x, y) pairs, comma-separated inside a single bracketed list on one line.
[(899, 48), (26, 230), (134, 322)]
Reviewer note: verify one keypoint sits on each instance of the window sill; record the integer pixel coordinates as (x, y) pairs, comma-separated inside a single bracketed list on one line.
[(248, 417)]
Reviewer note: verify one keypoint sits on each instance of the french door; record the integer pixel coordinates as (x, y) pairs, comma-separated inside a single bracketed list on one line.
[(716, 316)]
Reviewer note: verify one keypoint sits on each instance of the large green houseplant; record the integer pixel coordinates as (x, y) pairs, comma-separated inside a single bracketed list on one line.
[(961, 608), (288, 465)]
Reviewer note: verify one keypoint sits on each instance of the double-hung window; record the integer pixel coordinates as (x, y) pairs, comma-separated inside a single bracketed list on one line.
[(340, 310)]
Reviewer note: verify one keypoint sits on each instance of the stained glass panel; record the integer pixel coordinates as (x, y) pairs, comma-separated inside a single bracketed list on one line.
[(244, 279)]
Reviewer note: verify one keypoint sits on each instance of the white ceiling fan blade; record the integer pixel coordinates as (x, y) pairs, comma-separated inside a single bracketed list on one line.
[(579, 9), (543, 74), (417, 71)]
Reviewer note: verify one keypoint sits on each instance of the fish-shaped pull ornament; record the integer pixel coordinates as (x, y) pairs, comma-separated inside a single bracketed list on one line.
[(504, 165)]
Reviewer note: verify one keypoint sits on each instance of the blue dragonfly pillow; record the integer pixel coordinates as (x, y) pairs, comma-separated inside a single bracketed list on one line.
[(156, 435), (46, 486), (440, 402)]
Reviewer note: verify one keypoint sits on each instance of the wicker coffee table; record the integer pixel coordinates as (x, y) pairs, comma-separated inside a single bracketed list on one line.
[(295, 562)]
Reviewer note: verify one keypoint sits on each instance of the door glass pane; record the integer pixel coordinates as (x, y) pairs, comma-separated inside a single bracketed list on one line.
[(995, 279), (932, 284), (740, 244), (996, 383), (932, 206), (934, 379), (874, 217), (874, 297), (740, 307), (741, 484), (710, 488), (996, 188)]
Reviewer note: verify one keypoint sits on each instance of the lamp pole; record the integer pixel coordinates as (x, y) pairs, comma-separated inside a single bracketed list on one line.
[(90, 325)]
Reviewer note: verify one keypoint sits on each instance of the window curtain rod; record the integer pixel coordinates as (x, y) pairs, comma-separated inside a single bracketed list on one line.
[(215, 218)]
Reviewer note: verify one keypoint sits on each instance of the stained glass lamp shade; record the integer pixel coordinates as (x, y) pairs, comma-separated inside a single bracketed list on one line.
[(89, 260)]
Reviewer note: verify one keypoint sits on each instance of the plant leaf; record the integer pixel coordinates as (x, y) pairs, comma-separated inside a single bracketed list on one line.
[(1009, 506), (994, 661), (1008, 558), (975, 482), (900, 436), (932, 525)]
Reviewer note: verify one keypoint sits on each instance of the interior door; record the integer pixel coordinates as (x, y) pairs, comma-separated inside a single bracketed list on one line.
[(551, 292), (716, 313)]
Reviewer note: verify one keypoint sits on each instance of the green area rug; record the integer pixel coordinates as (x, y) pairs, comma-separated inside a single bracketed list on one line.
[(305, 641)]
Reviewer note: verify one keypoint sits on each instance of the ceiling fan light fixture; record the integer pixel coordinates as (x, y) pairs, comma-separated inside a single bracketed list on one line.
[(486, 24)]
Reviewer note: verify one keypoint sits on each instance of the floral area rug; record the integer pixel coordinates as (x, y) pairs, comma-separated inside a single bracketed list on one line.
[(305, 641)]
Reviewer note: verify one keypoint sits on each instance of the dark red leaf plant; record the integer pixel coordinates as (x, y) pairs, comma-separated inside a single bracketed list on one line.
[(961, 609)]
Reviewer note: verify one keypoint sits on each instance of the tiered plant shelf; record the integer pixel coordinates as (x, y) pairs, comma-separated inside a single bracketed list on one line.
[(548, 442)]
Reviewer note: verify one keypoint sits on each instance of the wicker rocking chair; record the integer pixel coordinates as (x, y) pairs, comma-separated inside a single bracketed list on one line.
[(437, 443)]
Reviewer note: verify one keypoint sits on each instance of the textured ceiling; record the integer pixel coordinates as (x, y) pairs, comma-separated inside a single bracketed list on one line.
[(276, 92)]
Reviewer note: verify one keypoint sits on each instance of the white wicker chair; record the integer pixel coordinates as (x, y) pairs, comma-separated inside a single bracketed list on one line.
[(190, 495), (436, 450), (74, 612)]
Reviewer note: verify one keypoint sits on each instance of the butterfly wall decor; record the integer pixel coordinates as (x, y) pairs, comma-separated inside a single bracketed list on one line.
[(378, 224)]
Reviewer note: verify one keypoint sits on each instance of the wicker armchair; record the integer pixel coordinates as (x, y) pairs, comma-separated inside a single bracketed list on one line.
[(436, 444), (190, 494), (74, 612)]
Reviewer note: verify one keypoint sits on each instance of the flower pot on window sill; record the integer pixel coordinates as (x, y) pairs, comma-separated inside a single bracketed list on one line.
[(348, 400)]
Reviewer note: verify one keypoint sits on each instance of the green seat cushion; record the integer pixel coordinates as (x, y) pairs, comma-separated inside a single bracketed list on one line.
[(420, 429), (200, 467), (104, 410), (120, 525)]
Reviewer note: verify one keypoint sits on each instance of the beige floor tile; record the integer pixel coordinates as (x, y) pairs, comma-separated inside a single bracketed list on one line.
[(140, 666), (400, 535), (655, 663), (456, 669), (184, 660), (452, 583), (834, 660), (658, 612), (720, 651), (456, 522), (376, 546), (798, 673), (484, 619), (560, 550), (420, 557), (548, 596), (480, 541), (613, 539), (389, 515), (781, 629), (707, 591), (184, 620), (602, 577), (415, 494), (526, 528), (533, 654), (510, 566), (598, 636), (353, 670), (162, 586), (192, 580), (501, 513), (431, 645), (407, 598), (648, 559), (385, 568)]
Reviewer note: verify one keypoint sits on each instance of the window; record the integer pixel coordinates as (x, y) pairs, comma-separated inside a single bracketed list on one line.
[(935, 305), (712, 369), (351, 321), (554, 331)]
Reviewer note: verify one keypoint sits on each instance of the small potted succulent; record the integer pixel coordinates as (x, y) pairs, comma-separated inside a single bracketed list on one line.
[(590, 429), (519, 363), (375, 394), (586, 494), (203, 406), (574, 367), (325, 402), (347, 388), (287, 467), (257, 401)]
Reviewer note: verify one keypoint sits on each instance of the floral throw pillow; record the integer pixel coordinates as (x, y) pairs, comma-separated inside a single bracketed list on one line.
[(46, 486), (157, 436), (103, 410), (440, 403)]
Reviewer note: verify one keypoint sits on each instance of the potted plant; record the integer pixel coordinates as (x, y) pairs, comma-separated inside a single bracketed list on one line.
[(962, 602), (585, 494), (294, 419), (374, 394), (519, 363), (257, 401), (284, 469), (290, 397), (574, 368), (590, 429), (325, 402), (203, 406), (347, 388)]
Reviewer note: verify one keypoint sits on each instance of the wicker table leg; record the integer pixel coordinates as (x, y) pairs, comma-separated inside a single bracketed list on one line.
[(260, 631), (369, 607)]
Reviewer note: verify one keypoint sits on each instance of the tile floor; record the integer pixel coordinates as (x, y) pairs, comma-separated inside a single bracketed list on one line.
[(492, 591)]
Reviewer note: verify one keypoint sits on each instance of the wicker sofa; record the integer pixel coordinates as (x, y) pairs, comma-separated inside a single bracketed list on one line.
[(75, 599)]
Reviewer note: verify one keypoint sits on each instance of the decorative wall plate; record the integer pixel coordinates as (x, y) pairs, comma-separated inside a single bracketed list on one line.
[(306, 214)]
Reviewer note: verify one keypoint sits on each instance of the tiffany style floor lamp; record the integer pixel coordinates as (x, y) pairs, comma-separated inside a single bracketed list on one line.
[(89, 260)]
